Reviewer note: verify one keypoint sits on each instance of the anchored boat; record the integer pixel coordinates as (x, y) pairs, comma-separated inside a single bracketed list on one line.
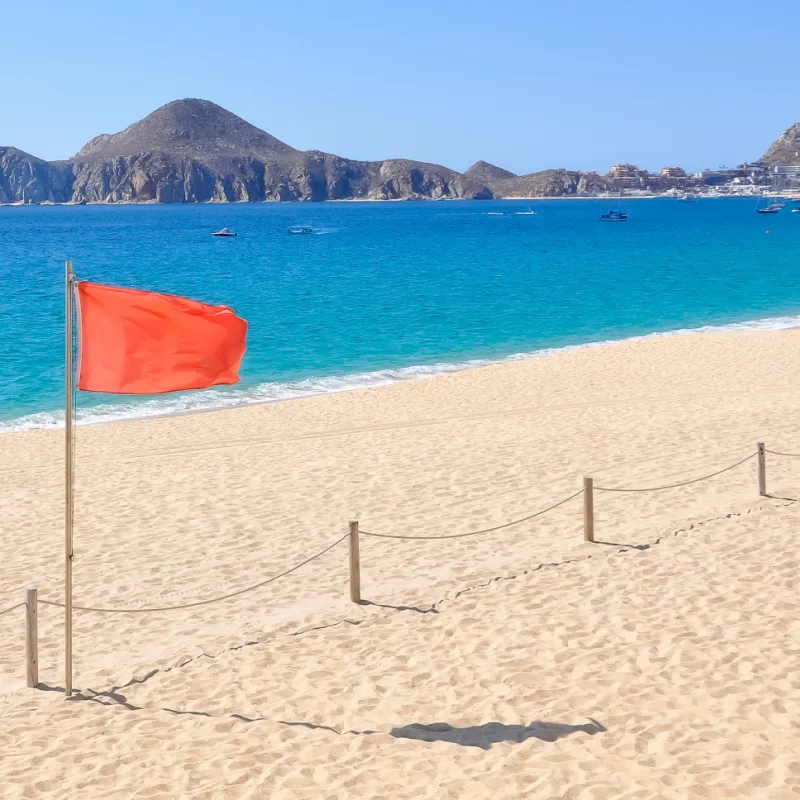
[(224, 233), (615, 216)]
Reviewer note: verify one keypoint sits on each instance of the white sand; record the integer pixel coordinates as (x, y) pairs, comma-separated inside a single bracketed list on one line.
[(611, 672)]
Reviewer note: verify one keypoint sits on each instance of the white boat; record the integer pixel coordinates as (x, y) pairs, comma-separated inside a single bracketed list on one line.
[(299, 229), (224, 233), (687, 198)]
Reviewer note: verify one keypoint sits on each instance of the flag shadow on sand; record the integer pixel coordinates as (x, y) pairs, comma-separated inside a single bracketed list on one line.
[(484, 736)]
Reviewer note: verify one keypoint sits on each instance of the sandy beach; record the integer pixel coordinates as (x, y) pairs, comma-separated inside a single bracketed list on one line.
[(661, 661)]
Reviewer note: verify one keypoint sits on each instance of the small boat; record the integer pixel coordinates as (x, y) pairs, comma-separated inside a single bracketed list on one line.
[(772, 208), (687, 198), (495, 213), (224, 233), (616, 216), (529, 213), (297, 229), (796, 211)]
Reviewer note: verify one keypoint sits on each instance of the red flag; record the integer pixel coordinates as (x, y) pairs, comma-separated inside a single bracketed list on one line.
[(135, 342)]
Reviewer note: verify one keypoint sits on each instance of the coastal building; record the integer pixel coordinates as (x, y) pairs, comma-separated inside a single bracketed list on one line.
[(786, 177), (749, 174), (628, 176), (718, 177), (669, 179)]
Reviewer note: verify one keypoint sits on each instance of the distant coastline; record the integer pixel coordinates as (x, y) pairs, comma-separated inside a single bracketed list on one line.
[(194, 151), (765, 192)]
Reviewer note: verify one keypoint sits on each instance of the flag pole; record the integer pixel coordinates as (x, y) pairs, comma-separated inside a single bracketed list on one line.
[(68, 475)]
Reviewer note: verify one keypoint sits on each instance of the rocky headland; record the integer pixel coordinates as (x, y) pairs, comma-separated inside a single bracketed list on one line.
[(194, 151)]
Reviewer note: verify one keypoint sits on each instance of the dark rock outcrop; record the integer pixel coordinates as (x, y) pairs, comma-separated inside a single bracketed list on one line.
[(396, 179), (24, 178)]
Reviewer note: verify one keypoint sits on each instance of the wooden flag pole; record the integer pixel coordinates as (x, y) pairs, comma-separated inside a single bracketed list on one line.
[(68, 475)]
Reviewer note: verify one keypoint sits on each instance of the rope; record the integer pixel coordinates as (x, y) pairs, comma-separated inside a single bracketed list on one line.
[(13, 608), (786, 455), (393, 536), (200, 602), (675, 485), (475, 533)]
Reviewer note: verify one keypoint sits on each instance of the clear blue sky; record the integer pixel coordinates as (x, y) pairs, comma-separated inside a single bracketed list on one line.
[(525, 85)]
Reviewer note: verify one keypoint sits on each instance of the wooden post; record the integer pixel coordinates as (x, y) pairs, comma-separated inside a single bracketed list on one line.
[(69, 515), (31, 638), (355, 564), (762, 470), (588, 509)]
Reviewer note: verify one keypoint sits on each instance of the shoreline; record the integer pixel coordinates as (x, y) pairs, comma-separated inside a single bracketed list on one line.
[(184, 404), (538, 198)]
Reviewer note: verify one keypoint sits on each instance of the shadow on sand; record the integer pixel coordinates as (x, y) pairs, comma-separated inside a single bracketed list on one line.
[(484, 736)]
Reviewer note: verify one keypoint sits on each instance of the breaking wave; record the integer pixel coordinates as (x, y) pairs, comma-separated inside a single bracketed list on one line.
[(273, 391)]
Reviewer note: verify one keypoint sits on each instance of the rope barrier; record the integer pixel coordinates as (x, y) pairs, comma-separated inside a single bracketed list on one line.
[(200, 602), (13, 608), (474, 533), (786, 455), (675, 485), (210, 601)]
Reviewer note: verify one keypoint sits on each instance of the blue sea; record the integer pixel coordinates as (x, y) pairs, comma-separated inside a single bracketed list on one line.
[(383, 292)]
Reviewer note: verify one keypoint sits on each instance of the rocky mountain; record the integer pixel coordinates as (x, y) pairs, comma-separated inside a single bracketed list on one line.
[(484, 172), (195, 151), (786, 150), (195, 129)]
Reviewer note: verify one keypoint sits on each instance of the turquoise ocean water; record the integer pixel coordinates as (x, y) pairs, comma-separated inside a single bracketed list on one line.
[(388, 291)]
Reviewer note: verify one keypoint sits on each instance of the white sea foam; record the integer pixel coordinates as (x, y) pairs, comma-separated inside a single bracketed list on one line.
[(214, 399)]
